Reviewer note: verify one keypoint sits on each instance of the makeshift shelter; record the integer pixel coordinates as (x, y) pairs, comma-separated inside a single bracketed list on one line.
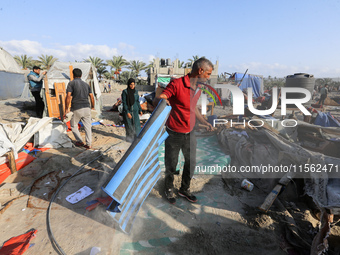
[(46, 133), (58, 77), (12, 78)]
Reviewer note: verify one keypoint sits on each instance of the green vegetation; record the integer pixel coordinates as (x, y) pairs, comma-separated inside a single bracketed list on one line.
[(24, 61), (46, 61), (137, 66)]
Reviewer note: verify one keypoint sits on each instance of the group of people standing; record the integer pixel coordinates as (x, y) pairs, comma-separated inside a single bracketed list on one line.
[(181, 94), (107, 87)]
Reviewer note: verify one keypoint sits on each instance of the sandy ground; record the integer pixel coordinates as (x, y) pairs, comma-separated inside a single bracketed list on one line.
[(224, 221)]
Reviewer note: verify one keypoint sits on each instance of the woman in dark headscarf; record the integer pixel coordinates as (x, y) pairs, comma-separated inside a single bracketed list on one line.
[(131, 109)]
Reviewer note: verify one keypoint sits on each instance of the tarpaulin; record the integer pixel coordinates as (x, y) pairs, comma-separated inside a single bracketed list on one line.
[(250, 81), (18, 245), (326, 120), (46, 131), (138, 171), (23, 160), (163, 81)]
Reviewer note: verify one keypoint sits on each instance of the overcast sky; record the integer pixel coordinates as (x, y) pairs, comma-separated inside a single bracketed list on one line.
[(275, 38)]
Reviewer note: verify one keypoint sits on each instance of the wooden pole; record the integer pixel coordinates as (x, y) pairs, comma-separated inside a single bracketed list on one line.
[(48, 97), (275, 192), (61, 107), (11, 160), (71, 73), (71, 79)]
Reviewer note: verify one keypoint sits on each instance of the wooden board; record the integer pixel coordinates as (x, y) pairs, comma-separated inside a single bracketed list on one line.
[(11, 160), (60, 93), (53, 102), (275, 192), (271, 198), (71, 73)]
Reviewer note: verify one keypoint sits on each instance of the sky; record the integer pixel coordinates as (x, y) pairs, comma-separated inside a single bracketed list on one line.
[(269, 38)]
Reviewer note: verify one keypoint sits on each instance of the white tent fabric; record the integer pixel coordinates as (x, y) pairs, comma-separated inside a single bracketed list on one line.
[(51, 135), (60, 72), (5, 146), (8, 63), (11, 85), (12, 79)]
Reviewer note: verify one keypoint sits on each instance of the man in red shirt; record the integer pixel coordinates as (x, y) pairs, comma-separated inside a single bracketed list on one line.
[(183, 94)]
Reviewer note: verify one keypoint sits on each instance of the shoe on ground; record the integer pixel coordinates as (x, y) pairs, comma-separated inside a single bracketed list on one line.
[(79, 144), (186, 194), (170, 196)]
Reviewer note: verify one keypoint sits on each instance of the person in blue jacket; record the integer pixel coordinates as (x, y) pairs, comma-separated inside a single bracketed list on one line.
[(131, 109), (35, 80)]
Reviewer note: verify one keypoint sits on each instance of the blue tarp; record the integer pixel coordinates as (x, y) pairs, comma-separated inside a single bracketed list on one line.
[(326, 120), (250, 81)]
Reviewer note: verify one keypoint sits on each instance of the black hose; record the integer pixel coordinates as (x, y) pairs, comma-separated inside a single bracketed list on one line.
[(49, 230)]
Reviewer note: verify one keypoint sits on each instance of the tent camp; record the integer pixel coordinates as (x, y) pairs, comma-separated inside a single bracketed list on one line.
[(12, 78), (61, 72)]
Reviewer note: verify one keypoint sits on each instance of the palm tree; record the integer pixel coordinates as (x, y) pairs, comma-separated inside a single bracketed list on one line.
[(23, 61), (327, 81), (117, 62), (107, 75), (101, 70), (137, 66), (194, 58), (147, 68), (191, 61), (180, 64), (47, 61), (126, 75), (97, 62)]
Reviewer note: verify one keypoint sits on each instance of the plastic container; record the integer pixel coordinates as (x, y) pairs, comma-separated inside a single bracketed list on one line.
[(247, 185), (300, 80)]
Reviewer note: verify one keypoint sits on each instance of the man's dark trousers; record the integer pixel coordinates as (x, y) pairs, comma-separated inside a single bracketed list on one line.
[(173, 144), (39, 104)]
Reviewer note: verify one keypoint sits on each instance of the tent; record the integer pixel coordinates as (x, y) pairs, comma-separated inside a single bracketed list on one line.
[(12, 78), (60, 72)]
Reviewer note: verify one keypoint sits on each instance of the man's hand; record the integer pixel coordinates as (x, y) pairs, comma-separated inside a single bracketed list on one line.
[(44, 72), (67, 111), (209, 127), (140, 113), (129, 115), (157, 99)]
